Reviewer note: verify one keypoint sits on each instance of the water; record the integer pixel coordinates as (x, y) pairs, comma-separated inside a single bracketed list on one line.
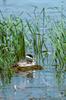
[(36, 85), (46, 84), (16, 7)]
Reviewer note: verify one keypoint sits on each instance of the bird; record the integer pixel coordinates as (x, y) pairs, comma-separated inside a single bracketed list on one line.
[(28, 61)]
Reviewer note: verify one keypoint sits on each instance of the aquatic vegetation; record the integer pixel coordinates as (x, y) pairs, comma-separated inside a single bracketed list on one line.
[(57, 36), (12, 43), (17, 35), (37, 33)]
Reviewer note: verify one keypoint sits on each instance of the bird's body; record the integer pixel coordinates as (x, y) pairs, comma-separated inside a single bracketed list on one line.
[(29, 61), (27, 64)]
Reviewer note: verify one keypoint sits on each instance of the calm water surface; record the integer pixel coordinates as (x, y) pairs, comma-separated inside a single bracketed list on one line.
[(36, 85), (17, 6)]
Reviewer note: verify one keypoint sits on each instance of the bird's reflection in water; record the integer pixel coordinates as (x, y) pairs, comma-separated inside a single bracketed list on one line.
[(21, 85), (30, 76)]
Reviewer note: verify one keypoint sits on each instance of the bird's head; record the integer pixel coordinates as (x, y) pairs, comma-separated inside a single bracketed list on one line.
[(29, 58)]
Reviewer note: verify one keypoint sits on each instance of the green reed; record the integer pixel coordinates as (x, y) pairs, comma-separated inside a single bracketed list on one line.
[(16, 35), (12, 44), (37, 33), (57, 37)]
